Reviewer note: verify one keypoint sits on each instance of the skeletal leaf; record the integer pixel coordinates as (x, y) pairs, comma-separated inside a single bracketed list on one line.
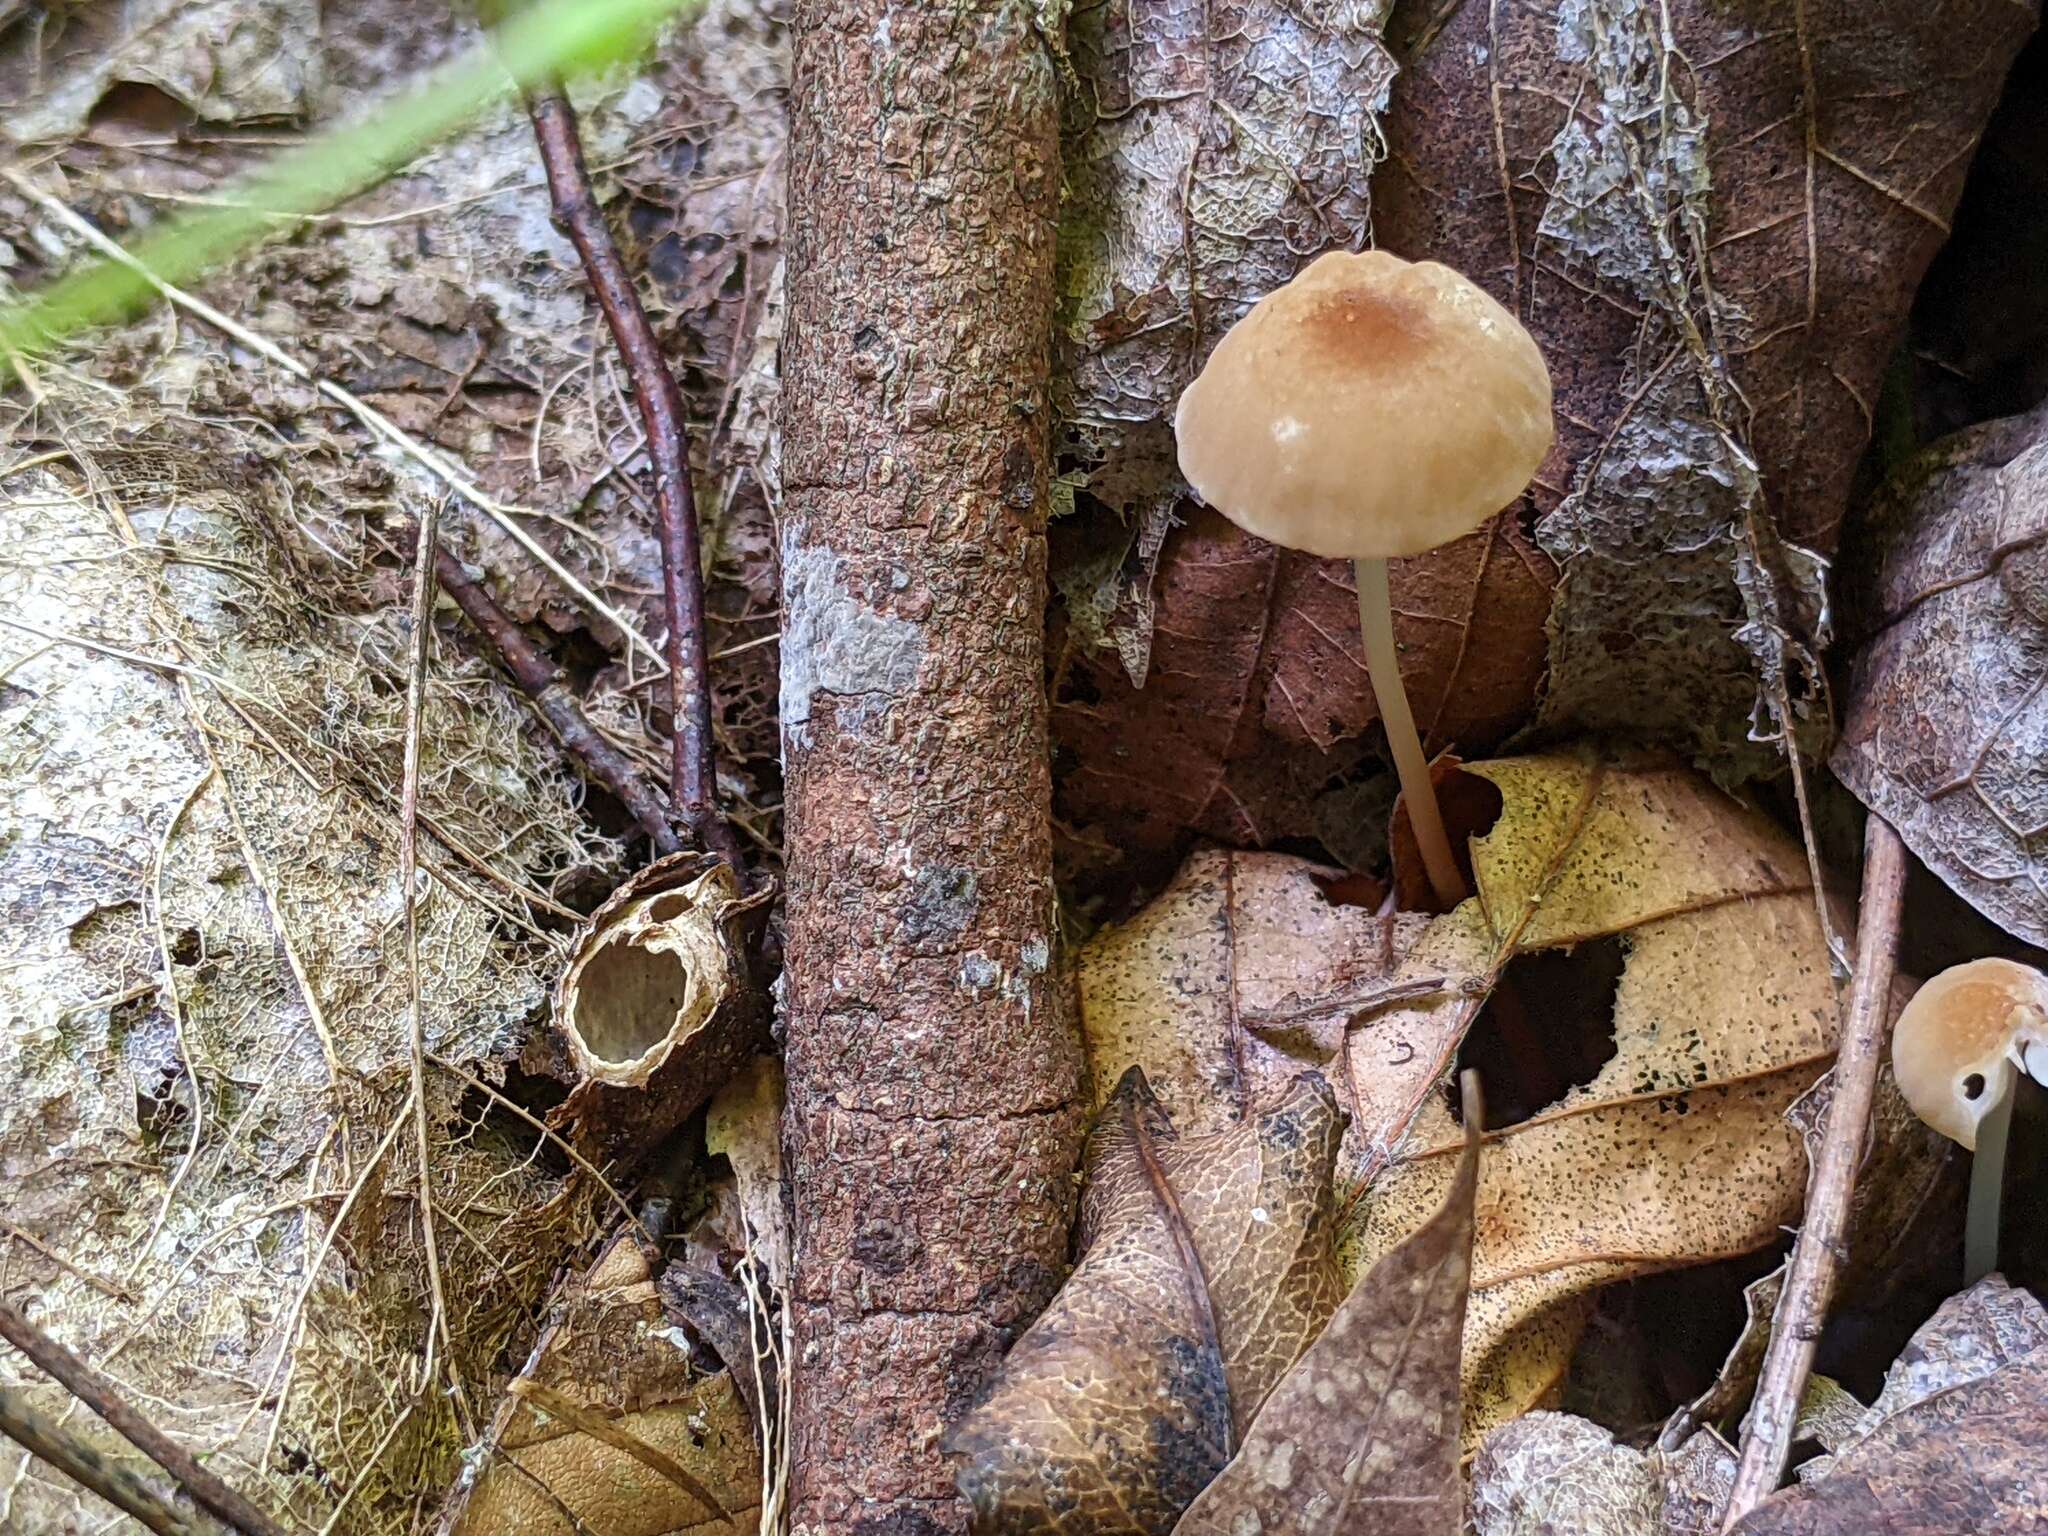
[(1946, 728), (1362, 1434), (1550, 1474), (1952, 1444), (1206, 1268)]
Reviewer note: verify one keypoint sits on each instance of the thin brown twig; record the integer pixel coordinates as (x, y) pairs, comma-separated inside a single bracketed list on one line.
[(693, 776), (1810, 1278), (422, 619), (98, 1393), (84, 1463), (542, 682)]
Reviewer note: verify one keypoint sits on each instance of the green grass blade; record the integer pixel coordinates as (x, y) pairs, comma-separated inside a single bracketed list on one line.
[(554, 37)]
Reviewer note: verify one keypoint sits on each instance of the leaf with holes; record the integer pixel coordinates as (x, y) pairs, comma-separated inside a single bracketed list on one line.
[(1713, 217), (1946, 731), (1206, 1267), (1674, 1150), (1635, 891), (1363, 1431)]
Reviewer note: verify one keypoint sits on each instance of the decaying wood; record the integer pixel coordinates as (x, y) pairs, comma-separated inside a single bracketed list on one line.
[(933, 1111)]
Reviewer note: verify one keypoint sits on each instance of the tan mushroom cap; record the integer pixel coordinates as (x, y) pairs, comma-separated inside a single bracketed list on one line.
[(1969, 1028), (1372, 407)]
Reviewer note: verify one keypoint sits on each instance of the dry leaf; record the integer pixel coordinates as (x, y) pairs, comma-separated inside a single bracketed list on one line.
[(1905, 1214), (1952, 1444), (601, 1421), (1206, 1267), (1713, 220), (1238, 976), (1551, 1474), (1677, 1151), (1210, 149), (1946, 729), (1362, 1434), (1257, 694)]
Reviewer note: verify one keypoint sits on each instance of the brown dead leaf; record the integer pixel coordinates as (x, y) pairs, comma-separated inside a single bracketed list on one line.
[(1713, 217), (1362, 1434), (1217, 148), (1678, 1150), (1257, 694), (606, 1426), (1952, 1444), (1551, 1474), (1946, 730), (1206, 1267)]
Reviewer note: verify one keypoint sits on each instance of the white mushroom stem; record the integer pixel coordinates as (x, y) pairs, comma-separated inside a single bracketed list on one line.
[(1987, 1185), (1987, 1167), (1383, 667)]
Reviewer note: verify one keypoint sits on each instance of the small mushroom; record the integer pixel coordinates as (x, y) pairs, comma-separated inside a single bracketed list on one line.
[(1957, 1052), (1369, 409)]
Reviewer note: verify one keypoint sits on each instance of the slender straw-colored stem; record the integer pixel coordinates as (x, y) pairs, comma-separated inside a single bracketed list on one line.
[(1987, 1183), (1383, 666)]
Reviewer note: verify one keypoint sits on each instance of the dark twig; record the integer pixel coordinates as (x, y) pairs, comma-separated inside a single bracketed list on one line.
[(1810, 1279), (98, 1393), (84, 1464), (542, 681), (693, 779)]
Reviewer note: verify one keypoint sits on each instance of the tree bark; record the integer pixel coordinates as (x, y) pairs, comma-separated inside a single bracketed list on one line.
[(934, 1108)]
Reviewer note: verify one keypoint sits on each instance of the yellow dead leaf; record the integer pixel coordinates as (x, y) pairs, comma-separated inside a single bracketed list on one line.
[(1239, 976), (606, 1427), (1678, 1151)]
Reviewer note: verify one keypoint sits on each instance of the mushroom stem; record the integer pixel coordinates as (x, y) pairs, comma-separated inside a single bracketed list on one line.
[(1987, 1185), (1383, 667)]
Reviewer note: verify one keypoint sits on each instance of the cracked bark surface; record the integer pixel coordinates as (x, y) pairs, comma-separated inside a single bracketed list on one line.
[(934, 1077)]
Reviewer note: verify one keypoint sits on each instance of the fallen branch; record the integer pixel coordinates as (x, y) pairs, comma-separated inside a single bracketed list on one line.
[(1810, 1280), (82, 1462), (693, 776), (98, 1393), (542, 682)]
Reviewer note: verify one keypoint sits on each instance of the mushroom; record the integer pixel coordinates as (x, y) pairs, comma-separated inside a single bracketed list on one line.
[(1957, 1052), (1369, 409)]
